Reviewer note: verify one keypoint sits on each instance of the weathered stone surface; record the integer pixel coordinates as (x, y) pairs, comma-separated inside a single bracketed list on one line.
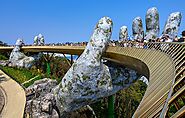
[(39, 40), (123, 34), (46, 103), (36, 40), (137, 29), (172, 25), (152, 24), (88, 79), (19, 59), (121, 77), (41, 102), (4, 62)]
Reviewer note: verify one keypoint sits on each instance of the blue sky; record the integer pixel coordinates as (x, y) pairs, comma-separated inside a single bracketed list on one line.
[(74, 20)]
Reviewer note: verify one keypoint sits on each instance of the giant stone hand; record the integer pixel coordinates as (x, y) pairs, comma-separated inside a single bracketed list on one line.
[(19, 59), (152, 25), (88, 78)]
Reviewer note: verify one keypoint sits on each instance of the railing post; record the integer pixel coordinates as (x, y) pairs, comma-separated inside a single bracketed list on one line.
[(48, 68), (71, 59), (111, 106)]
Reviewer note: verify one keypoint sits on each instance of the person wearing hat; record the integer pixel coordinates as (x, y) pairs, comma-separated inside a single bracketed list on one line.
[(182, 39)]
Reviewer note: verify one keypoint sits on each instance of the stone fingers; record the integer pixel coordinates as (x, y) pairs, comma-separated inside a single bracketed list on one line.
[(172, 25), (152, 24)]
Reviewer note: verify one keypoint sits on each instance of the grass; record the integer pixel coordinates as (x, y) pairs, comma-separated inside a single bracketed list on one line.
[(19, 75), (32, 80), (23, 75), (2, 57), (27, 77)]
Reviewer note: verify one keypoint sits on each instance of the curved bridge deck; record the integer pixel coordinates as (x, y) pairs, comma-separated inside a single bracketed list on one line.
[(161, 74), (162, 63)]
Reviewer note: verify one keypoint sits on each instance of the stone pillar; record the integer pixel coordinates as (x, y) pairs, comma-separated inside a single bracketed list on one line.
[(123, 34), (172, 25), (36, 40), (137, 29), (152, 24)]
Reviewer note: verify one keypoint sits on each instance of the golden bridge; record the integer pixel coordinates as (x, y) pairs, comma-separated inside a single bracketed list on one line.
[(162, 63)]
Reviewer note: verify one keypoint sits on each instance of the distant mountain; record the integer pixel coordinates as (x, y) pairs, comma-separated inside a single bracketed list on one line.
[(2, 43)]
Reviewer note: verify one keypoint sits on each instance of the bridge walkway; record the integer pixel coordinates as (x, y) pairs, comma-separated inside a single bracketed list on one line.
[(14, 97)]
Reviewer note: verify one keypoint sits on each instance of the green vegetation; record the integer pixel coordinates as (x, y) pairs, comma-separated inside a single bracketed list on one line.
[(175, 106), (31, 81), (126, 102), (19, 74), (2, 57), (58, 65)]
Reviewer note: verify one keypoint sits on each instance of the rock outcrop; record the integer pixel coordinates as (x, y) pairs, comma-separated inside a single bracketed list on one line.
[(19, 59), (4, 62), (152, 24), (137, 29), (123, 34), (41, 102), (172, 25)]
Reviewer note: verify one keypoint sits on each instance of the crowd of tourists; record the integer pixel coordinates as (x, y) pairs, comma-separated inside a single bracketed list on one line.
[(141, 43), (68, 44)]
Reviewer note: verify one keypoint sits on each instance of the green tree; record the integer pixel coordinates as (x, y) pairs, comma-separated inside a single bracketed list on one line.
[(126, 101)]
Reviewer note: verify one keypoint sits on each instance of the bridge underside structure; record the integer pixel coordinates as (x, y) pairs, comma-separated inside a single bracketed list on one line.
[(162, 63)]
